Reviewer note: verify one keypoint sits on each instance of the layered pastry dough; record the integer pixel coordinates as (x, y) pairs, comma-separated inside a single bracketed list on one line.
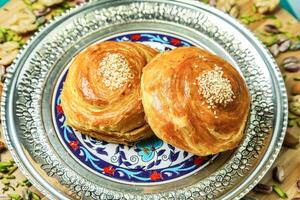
[(195, 101), (101, 96)]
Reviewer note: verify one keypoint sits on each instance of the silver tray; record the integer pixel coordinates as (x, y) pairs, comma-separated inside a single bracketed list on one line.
[(31, 83)]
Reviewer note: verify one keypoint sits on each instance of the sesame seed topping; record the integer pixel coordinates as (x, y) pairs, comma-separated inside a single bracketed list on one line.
[(215, 88), (115, 70)]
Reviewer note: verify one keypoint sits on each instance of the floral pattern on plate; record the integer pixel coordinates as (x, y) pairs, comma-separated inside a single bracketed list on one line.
[(148, 161)]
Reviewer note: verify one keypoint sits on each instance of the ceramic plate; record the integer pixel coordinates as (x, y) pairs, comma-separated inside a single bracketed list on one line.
[(63, 163)]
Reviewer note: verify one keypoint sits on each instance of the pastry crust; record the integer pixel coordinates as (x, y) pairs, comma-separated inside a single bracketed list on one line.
[(101, 96), (183, 112)]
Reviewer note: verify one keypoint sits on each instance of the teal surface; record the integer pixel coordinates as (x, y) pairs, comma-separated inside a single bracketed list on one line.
[(2, 2), (293, 6)]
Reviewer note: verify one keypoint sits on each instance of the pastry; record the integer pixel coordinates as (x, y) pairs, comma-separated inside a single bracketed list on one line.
[(195, 101), (101, 96)]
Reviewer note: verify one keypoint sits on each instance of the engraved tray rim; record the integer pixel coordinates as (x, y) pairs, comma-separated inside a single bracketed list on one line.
[(46, 189)]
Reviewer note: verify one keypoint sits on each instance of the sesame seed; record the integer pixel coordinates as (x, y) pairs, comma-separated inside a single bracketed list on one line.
[(215, 88), (115, 70)]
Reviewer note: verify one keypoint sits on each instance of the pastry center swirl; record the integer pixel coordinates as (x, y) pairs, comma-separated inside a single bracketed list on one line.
[(115, 70), (215, 88)]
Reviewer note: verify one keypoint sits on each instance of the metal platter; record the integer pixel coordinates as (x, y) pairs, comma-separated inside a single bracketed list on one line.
[(64, 164)]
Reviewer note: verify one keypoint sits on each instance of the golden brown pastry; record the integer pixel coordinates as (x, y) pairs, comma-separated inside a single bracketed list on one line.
[(195, 101), (101, 96)]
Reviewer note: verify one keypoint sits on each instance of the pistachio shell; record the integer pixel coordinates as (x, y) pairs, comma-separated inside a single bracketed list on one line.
[(295, 107)]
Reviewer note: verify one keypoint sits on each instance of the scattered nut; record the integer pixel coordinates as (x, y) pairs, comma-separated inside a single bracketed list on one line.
[(41, 20), (42, 12), (16, 16), (284, 45), (234, 11), (264, 6), (8, 52), (291, 67), (270, 28), (228, 6), (263, 188), (278, 174), (274, 49), (294, 105), (290, 59)]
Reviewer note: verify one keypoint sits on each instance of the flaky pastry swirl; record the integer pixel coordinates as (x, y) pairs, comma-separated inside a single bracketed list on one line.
[(195, 101), (101, 96)]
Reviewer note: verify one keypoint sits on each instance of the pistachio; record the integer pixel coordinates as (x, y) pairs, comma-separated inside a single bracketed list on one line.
[(291, 67), (6, 164), (278, 174), (10, 176), (51, 2), (290, 140), (15, 196), (12, 170), (290, 59), (284, 45), (297, 78), (296, 88), (275, 49), (41, 20), (42, 12), (5, 181), (265, 6), (295, 107), (35, 196), (4, 189), (279, 192), (228, 6), (234, 11), (263, 188), (270, 28)]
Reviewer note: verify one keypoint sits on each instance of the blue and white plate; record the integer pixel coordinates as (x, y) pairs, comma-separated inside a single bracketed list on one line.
[(149, 161)]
